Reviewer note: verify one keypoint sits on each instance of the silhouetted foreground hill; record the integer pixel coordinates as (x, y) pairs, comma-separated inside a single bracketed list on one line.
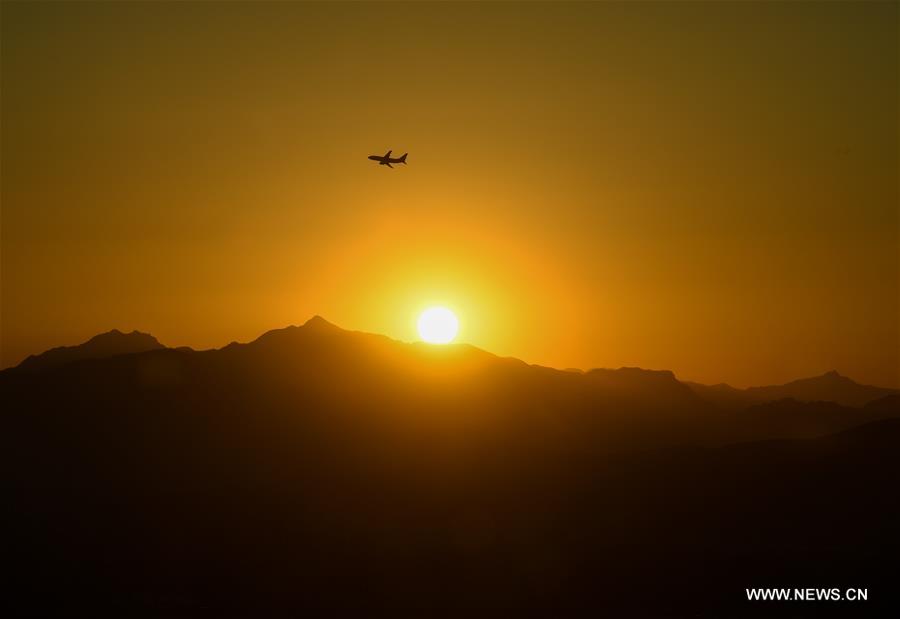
[(323, 472)]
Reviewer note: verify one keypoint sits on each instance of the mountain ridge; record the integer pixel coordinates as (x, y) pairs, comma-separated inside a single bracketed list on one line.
[(100, 346), (326, 461), (828, 387)]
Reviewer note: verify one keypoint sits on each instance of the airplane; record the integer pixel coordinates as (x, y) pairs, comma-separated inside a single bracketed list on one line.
[(386, 160)]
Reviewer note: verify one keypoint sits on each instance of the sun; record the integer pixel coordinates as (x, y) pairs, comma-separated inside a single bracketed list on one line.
[(438, 325)]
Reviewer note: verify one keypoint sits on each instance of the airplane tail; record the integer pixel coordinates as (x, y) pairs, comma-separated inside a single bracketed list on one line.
[(403, 158)]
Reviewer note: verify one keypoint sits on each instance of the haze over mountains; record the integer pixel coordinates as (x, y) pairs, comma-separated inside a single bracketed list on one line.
[(321, 471)]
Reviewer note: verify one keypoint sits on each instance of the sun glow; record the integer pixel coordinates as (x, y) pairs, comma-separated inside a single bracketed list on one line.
[(438, 325)]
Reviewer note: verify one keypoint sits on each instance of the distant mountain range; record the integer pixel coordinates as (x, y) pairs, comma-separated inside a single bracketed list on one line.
[(829, 387), (319, 372), (321, 472)]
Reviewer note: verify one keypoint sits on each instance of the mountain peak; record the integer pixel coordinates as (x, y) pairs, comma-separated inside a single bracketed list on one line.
[(834, 375), (115, 334), (828, 387), (314, 326), (317, 322), (832, 378), (101, 346)]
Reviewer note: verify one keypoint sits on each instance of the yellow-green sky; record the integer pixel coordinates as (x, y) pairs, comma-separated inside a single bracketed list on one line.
[(710, 188)]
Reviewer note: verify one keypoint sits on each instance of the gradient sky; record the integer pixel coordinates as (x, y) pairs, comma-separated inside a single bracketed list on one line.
[(710, 188)]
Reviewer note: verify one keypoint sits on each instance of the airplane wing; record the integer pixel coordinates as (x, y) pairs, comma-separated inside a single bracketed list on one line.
[(388, 164), (387, 154)]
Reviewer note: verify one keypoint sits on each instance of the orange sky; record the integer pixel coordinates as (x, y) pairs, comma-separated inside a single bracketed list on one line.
[(708, 188)]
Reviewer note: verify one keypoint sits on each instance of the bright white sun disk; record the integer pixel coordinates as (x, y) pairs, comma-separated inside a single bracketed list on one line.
[(438, 325)]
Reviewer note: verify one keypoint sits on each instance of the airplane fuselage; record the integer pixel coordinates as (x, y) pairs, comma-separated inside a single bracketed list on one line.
[(384, 160), (387, 160)]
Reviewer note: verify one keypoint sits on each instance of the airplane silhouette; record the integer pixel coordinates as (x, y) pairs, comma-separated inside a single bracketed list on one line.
[(386, 160)]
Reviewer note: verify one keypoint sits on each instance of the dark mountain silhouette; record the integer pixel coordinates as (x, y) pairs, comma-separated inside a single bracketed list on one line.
[(100, 346), (724, 395), (788, 417), (887, 404), (650, 386), (320, 472), (829, 387)]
